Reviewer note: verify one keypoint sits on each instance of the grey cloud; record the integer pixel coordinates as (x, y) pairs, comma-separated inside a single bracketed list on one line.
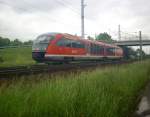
[(31, 6), (135, 13), (131, 7)]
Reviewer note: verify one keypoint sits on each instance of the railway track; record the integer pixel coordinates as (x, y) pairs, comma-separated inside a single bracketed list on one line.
[(37, 69)]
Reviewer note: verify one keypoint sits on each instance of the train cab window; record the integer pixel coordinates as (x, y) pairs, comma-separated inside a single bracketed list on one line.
[(42, 42), (44, 39)]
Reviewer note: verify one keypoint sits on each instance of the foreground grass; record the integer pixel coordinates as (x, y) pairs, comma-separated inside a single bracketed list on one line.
[(111, 92), (16, 56)]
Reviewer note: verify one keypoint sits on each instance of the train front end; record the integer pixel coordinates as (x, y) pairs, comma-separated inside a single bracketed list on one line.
[(40, 46)]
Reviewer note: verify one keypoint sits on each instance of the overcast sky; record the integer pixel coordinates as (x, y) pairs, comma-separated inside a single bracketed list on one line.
[(26, 19)]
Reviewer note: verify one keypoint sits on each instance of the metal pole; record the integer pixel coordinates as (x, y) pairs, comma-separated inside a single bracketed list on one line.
[(82, 18), (119, 33), (140, 38)]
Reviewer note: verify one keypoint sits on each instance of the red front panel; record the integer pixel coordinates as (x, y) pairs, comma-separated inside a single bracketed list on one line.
[(56, 50)]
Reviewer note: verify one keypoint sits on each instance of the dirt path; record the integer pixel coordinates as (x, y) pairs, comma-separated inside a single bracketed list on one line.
[(144, 105)]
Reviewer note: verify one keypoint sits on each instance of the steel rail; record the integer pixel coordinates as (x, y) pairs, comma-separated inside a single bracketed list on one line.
[(37, 69)]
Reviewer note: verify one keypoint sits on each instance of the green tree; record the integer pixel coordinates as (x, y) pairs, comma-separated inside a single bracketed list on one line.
[(90, 38), (30, 42), (138, 51), (104, 37), (4, 41), (16, 42)]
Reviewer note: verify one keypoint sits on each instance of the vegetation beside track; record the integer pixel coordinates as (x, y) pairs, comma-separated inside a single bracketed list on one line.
[(111, 92), (16, 56)]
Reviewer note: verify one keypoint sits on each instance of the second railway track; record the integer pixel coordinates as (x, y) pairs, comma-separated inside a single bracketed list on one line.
[(37, 69)]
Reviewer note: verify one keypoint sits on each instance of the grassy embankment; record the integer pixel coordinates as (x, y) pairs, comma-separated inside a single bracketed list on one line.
[(111, 92), (16, 56)]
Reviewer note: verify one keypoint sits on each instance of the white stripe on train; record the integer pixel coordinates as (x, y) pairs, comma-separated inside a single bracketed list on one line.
[(82, 56)]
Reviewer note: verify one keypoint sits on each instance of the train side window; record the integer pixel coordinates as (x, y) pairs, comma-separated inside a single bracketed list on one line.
[(61, 42), (88, 48), (100, 50), (77, 44), (96, 49), (80, 45), (64, 43), (92, 48), (74, 45), (68, 43), (111, 50)]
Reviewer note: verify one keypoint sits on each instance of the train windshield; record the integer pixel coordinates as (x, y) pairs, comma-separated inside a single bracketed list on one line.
[(44, 39), (41, 43)]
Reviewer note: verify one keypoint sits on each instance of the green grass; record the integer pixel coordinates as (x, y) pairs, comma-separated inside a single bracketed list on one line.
[(16, 56), (111, 92)]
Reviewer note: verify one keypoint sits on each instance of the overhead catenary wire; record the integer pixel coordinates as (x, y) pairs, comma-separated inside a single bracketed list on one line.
[(55, 19), (65, 4), (10, 5), (70, 4), (52, 19)]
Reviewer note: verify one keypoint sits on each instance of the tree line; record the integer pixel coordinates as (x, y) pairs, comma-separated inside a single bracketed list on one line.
[(16, 42), (105, 37)]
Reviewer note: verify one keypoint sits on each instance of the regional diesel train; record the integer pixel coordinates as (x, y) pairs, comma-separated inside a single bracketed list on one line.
[(62, 47)]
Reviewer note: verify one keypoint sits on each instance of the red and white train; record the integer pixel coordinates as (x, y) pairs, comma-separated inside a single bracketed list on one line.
[(65, 47)]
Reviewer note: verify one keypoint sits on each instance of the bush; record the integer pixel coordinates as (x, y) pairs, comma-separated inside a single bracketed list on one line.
[(1, 60)]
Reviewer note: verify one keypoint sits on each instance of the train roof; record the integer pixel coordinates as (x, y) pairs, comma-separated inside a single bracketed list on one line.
[(50, 33), (74, 37), (71, 36), (63, 34), (102, 43)]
